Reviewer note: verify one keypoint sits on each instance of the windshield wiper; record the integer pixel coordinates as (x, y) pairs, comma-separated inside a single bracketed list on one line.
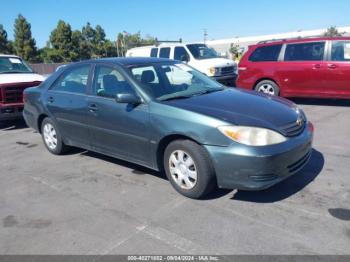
[(13, 72), (175, 97), (207, 91)]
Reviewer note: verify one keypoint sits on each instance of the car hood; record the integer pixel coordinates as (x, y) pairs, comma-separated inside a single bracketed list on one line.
[(242, 107), (20, 78)]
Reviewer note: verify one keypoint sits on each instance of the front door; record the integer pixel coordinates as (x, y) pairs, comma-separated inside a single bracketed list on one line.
[(338, 69), (66, 100), (116, 128)]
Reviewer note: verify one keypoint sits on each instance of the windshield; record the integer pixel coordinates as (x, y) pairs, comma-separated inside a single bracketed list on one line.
[(173, 81), (13, 65), (201, 51)]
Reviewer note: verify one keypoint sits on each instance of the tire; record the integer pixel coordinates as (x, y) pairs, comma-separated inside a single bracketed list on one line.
[(180, 172), (52, 138), (267, 87)]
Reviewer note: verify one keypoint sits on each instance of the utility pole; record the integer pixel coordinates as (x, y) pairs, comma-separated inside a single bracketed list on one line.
[(205, 34)]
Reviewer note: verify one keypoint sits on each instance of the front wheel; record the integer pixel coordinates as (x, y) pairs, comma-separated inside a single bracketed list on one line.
[(189, 169), (268, 87)]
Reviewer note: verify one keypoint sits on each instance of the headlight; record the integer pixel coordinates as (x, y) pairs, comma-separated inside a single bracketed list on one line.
[(214, 71), (252, 136)]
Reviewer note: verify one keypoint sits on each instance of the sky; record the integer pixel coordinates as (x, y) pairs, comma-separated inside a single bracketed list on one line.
[(174, 19)]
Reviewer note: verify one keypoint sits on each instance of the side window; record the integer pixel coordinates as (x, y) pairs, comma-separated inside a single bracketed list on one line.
[(164, 52), (154, 52), (305, 52), (108, 82), (340, 51), (73, 81), (179, 52), (266, 53)]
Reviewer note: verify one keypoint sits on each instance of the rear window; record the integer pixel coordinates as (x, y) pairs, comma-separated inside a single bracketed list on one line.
[(154, 52), (164, 52), (305, 52), (266, 53)]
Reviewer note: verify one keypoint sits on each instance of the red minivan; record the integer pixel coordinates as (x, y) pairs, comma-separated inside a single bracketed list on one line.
[(309, 67)]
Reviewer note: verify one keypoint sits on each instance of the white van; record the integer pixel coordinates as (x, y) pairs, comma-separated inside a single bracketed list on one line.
[(199, 56)]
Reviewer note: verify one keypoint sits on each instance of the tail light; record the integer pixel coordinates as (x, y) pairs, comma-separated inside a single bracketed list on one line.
[(310, 127)]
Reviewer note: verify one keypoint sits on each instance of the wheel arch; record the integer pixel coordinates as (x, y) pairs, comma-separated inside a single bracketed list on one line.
[(164, 142), (263, 79), (40, 121)]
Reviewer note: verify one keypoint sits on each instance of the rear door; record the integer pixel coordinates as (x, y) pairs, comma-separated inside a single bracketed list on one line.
[(302, 72), (66, 100), (338, 68)]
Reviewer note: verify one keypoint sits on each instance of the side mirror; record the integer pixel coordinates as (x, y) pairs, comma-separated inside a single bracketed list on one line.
[(184, 58), (128, 99)]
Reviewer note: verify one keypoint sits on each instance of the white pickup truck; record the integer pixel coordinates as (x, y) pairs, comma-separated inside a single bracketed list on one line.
[(15, 76), (197, 55)]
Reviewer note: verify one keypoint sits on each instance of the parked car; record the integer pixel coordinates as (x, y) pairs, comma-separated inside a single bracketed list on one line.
[(198, 131), (199, 56), (15, 76), (311, 67)]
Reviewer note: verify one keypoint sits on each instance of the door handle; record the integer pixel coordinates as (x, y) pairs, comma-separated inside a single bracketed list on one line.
[(50, 100), (93, 108), (332, 66), (316, 66)]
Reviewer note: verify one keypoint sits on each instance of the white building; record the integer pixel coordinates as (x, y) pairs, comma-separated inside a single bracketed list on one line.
[(223, 45)]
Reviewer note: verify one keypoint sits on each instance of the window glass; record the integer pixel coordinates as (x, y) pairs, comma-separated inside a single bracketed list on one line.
[(74, 81), (108, 82), (340, 51), (13, 65), (201, 51), (305, 52), (164, 52), (154, 52), (179, 52), (266, 53), (170, 81)]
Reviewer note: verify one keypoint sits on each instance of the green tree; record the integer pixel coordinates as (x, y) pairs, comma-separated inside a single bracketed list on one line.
[(5, 44), (61, 41), (236, 51), (332, 32), (24, 44)]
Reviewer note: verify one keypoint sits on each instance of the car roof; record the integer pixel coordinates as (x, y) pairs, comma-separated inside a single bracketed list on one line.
[(126, 61), (299, 40)]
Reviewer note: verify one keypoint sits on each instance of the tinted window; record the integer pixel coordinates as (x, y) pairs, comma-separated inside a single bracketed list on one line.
[(305, 52), (164, 52), (74, 81), (340, 51), (201, 51), (154, 52), (179, 52), (266, 53), (108, 82), (13, 65)]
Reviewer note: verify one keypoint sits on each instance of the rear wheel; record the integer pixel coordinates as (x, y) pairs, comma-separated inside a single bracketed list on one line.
[(189, 169), (267, 87), (52, 138)]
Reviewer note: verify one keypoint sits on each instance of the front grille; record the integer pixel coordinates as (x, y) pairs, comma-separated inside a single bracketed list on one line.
[(296, 166), (13, 93), (227, 70), (294, 128)]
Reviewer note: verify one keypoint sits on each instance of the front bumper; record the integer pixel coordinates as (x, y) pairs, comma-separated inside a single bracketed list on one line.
[(228, 80), (256, 168), (10, 112)]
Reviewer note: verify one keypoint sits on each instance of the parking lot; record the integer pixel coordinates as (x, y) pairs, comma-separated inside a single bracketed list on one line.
[(86, 203)]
